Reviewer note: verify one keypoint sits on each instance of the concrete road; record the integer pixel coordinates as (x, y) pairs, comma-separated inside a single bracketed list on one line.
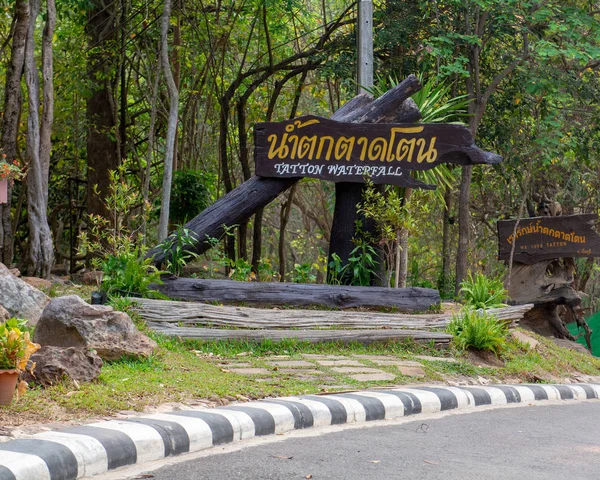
[(535, 442)]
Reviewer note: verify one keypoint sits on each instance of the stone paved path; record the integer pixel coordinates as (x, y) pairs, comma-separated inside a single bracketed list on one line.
[(330, 370)]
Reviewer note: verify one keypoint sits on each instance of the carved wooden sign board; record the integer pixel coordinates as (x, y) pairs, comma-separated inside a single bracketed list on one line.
[(546, 238), (317, 147)]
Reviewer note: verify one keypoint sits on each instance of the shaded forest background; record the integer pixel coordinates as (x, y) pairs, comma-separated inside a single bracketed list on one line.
[(168, 91)]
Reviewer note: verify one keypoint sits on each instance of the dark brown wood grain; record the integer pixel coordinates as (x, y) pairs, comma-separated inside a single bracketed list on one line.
[(298, 295), (546, 238), (317, 147)]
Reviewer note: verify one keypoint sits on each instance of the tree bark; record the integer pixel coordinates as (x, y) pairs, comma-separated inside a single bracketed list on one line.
[(11, 115), (163, 227), (102, 155), (40, 255), (444, 282), (464, 226)]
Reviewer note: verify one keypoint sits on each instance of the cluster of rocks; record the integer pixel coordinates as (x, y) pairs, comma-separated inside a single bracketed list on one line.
[(75, 337)]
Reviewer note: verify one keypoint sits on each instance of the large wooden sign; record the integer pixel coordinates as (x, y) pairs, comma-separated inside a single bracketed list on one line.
[(544, 238), (349, 152)]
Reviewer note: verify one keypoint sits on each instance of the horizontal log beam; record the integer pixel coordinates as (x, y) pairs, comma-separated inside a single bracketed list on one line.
[(312, 336), (298, 295), (200, 314)]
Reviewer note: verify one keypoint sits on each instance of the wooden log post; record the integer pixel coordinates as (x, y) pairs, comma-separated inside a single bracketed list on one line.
[(349, 195)]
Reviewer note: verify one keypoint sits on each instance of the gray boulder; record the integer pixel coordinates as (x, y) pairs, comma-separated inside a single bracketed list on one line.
[(52, 364), (71, 322), (20, 299), (4, 315)]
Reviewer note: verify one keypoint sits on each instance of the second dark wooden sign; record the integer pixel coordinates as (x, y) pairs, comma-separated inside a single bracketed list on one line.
[(545, 238), (349, 152)]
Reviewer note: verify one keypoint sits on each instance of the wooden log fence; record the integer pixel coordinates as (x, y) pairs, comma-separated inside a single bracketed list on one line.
[(163, 314), (298, 295)]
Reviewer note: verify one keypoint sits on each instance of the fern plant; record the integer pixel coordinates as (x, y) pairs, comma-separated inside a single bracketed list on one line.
[(477, 329), (483, 292)]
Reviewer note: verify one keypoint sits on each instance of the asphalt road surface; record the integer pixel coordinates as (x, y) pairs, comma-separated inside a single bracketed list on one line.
[(535, 442)]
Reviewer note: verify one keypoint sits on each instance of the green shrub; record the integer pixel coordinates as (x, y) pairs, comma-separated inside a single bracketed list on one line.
[(477, 329), (177, 249), (483, 292), (189, 196), (129, 273)]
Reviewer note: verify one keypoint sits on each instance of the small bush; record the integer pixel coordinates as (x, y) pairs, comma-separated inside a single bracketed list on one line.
[(129, 273), (477, 329), (483, 292)]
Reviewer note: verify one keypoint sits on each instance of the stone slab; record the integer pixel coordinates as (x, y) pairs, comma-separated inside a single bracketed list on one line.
[(531, 342), (348, 362), (436, 359), (291, 363), (350, 370), (250, 371), (300, 371), (373, 377), (399, 363), (412, 371)]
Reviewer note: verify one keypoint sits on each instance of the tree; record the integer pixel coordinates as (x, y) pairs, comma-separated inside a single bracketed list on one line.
[(40, 256), (11, 116)]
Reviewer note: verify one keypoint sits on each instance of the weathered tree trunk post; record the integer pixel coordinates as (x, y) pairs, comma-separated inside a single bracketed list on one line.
[(11, 116)]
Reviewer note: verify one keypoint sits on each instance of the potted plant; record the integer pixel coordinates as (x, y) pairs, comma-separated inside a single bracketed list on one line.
[(15, 350), (9, 172)]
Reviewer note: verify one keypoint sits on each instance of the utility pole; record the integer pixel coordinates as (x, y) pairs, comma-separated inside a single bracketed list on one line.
[(364, 74)]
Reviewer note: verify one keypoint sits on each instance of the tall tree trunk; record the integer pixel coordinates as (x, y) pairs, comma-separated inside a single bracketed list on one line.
[(402, 273), (464, 226), (102, 151), (40, 254), (10, 119), (446, 272), (150, 149), (163, 227)]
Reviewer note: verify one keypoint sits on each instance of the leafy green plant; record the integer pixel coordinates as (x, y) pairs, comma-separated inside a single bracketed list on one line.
[(483, 292), (477, 329), (120, 233), (240, 270), (361, 264), (266, 272), (335, 270), (190, 194), (15, 345), (302, 273), (177, 249), (129, 273)]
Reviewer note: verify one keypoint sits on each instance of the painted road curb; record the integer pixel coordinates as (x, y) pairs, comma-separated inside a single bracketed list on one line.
[(99, 447)]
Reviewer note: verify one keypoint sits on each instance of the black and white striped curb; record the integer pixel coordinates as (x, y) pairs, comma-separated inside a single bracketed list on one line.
[(98, 447)]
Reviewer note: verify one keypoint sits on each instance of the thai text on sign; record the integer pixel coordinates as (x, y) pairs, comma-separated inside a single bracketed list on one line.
[(544, 238), (321, 148)]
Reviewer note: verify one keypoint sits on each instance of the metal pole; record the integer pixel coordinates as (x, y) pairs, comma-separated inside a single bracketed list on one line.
[(364, 75)]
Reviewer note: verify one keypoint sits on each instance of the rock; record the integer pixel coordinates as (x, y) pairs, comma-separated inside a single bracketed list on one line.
[(71, 322), (92, 278), (39, 283), (52, 364), (19, 298), (530, 342), (4, 314)]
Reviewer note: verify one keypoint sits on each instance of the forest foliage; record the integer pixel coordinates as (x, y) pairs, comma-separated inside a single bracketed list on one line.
[(134, 86)]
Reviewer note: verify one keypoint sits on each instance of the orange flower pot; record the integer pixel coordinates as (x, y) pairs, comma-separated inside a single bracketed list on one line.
[(8, 384)]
